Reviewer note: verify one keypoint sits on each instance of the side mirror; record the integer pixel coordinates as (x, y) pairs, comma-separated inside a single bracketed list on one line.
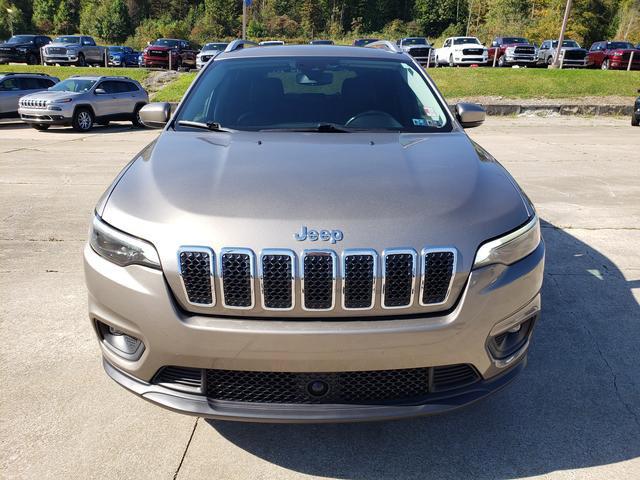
[(100, 91), (155, 115), (470, 114)]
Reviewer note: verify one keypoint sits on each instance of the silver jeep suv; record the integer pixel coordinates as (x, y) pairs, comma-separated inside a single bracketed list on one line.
[(82, 101), (13, 86), (313, 237)]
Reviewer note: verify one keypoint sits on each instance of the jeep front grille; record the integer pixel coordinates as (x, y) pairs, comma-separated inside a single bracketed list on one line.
[(322, 278), (277, 279), (318, 280), (196, 269), (236, 272)]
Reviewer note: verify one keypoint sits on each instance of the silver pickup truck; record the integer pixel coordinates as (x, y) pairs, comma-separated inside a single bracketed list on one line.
[(80, 50)]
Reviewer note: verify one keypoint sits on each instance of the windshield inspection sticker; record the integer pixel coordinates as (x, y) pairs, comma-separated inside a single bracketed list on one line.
[(419, 122)]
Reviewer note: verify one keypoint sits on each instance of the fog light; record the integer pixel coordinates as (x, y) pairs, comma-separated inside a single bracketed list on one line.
[(510, 342), (121, 343)]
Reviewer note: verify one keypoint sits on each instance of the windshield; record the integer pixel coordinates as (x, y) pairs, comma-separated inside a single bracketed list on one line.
[(567, 43), (414, 41), (361, 42), (116, 49), (165, 42), (462, 41), (306, 92), (73, 85), (508, 40), (619, 45), (215, 46), (21, 39), (322, 42), (67, 40)]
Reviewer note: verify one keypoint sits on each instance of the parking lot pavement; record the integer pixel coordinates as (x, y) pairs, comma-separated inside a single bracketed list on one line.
[(574, 413)]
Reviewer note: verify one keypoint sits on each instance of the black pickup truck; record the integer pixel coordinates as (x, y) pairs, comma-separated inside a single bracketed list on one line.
[(23, 49)]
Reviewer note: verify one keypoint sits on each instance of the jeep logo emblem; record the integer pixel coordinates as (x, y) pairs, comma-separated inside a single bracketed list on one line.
[(314, 235)]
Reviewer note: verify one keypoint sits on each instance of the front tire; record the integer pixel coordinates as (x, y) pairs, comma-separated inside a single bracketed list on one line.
[(451, 64), (501, 62), (81, 60), (605, 65), (32, 59), (135, 121), (82, 120), (635, 121)]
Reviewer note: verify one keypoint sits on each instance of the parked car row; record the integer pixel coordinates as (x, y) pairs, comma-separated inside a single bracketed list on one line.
[(80, 101)]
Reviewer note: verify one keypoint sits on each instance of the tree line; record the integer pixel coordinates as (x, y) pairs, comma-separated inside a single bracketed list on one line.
[(135, 22)]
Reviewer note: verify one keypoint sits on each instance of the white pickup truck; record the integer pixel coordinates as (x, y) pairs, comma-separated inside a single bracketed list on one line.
[(461, 51)]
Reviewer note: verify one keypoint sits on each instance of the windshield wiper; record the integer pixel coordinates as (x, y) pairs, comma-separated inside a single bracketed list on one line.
[(321, 127), (213, 126)]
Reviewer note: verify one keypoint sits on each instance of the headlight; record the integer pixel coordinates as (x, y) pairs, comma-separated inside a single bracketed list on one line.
[(510, 248), (120, 248), (617, 54), (62, 100)]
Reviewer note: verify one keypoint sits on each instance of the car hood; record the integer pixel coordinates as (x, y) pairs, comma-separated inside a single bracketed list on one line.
[(65, 45), (15, 45), (159, 47), (468, 45), (256, 190), (49, 95)]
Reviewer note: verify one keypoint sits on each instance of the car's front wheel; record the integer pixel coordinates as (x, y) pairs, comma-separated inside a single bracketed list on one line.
[(501, 62), (605, 65), (32, 59), (451, 64), (635, 120), (81, 61), (82, 120), (135, 121)]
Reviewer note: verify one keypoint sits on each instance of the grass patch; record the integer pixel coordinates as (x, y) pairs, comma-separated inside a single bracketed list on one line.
[(520, 83), (534, 82), (138, 74), (173, 91)]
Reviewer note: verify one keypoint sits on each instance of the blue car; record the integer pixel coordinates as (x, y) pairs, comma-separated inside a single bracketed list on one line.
[(122, 57)]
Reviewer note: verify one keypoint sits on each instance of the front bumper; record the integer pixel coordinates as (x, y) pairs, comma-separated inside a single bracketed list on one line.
[(60, 59), (13, 57), (47, 116), (137, 301), (470, 60), (520, 59), (623, 64)]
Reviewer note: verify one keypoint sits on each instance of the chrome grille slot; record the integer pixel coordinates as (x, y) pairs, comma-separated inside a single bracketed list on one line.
[(399, 273), (277, 274), (196, 271), (439, 266), (236, 274), (359, 270), (318, 280)]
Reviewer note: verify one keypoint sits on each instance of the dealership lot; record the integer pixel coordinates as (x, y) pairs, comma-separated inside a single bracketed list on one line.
[(574, 413)]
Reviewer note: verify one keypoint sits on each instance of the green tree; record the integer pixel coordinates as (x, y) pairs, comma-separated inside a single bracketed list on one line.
[(66, 19), (112, 23), (43, 13)]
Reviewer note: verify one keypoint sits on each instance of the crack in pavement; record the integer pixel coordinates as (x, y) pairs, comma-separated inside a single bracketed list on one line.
[(184, 454)]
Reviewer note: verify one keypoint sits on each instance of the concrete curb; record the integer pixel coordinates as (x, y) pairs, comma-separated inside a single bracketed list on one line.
[(500, 109)]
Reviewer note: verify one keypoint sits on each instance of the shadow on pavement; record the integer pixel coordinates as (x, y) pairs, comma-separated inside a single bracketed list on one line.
[(114, 127), (576, 405)]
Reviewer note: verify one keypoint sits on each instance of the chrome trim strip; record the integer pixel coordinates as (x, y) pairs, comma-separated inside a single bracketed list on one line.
[(334, 258), (252, 266), (292, 256), (423, 270), (353, 252), (414, 273), (212, 261)]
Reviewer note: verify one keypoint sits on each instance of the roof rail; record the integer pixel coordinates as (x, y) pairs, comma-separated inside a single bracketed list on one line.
[(238, 45), (384, 45), (24, 73)]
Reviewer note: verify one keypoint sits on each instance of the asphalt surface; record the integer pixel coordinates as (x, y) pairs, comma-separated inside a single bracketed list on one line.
[(574, 413)]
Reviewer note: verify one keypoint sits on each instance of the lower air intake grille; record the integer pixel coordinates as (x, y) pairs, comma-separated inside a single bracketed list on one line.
[(453, 376), (318, 281), (358, 281), (368, 387), (398, 287), (180, 378), (236, 280), (438, 271), (277, 282), (196, 270)]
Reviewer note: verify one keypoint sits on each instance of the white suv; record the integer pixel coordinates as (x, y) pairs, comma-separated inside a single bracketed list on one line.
[(461, 51)]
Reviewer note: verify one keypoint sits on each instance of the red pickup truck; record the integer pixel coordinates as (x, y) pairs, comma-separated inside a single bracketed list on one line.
[(158, 53), (613, 55), (512, 51)]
